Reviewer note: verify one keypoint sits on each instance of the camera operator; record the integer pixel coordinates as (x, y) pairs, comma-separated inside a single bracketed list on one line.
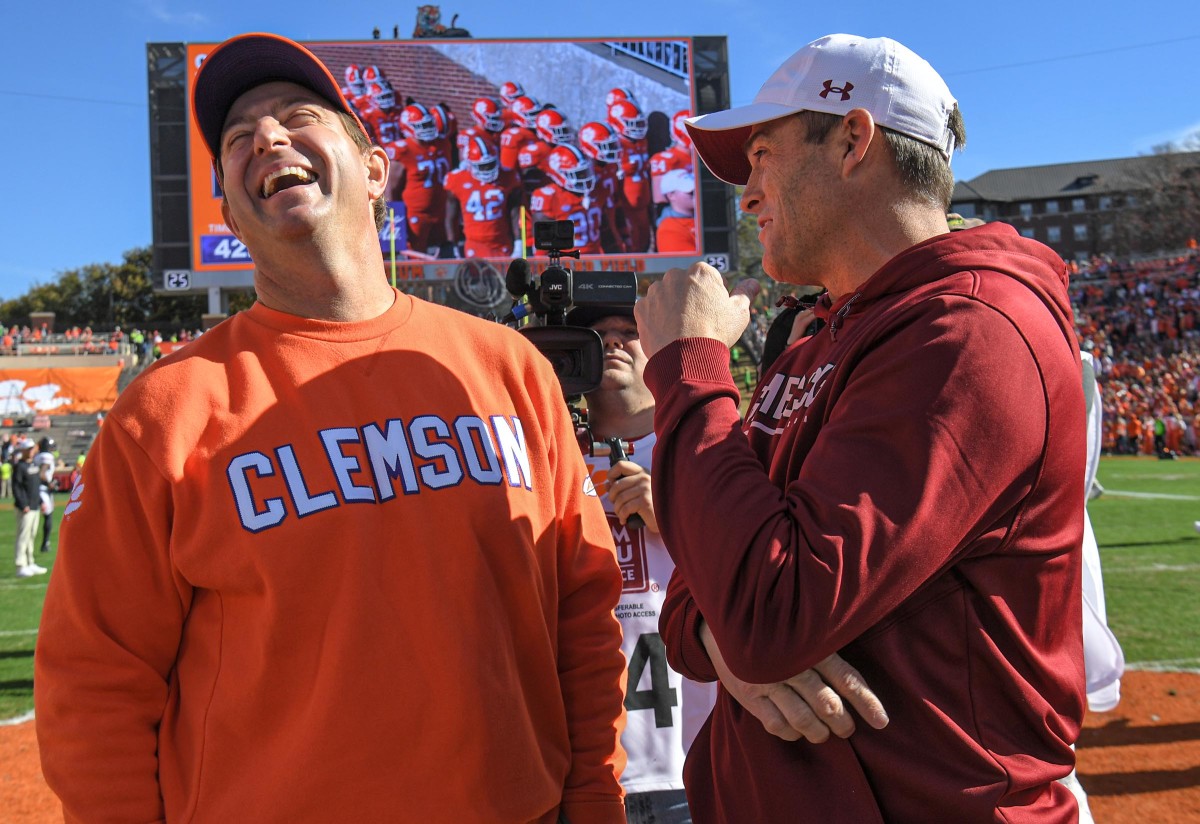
[(665, 710), (622, 407)]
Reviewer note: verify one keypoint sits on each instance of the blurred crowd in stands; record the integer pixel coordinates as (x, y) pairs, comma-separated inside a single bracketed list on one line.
[(140, 347), (1141, 321)]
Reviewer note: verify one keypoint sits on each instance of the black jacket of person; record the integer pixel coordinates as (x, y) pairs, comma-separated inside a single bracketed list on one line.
[(26, 486)]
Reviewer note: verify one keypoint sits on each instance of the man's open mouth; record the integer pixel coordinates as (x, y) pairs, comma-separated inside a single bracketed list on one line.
[(286, 178)]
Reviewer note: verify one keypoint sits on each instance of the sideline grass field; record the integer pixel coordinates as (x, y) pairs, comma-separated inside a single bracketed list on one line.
[(20, 610), (1150, 554), (1144, 524)]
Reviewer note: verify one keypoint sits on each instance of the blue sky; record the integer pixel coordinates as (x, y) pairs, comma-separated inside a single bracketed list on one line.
[(1038, 83)]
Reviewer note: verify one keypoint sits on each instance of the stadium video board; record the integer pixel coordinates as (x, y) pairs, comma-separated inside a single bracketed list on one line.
[(481, 133)]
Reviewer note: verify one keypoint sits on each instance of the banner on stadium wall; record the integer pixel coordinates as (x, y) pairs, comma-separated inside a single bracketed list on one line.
[(169, 346), (57, 391)]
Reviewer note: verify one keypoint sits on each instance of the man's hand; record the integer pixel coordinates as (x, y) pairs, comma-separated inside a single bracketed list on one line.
[(808, 705), (693, 304), (629, 493)]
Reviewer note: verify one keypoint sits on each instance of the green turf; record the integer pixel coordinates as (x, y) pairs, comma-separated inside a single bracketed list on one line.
[(1148, 545), (20, 610), (1150, 554)]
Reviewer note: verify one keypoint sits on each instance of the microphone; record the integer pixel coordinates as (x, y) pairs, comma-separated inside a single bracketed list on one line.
[(616, 453), (518, 280)]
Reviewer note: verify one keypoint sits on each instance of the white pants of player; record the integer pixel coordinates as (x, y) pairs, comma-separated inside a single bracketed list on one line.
[(1071, 782), (27, 523)]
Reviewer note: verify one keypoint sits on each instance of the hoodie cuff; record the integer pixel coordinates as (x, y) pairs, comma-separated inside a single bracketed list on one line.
[(697, 360)]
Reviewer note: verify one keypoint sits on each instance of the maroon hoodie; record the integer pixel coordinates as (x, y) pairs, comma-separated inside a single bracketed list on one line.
[(906, 491)]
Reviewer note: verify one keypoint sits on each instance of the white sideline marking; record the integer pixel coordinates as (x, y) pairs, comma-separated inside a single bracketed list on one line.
[(1117, 493), (7, 632), (20, 719), (20, 585), (1114, 570), (1176, 665)]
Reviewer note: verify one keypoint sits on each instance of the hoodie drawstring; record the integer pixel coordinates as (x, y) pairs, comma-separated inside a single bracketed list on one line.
[(836, 320)]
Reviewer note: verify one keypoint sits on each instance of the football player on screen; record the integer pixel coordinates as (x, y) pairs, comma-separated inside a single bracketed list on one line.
[(628, 121), (618, 93), (483, 203), (525, 110), (355, 88), (374, 74), (509, 92), (551, 129), (523, 130), (598, 141), (373, 81), (487, 123), (381, 115), (569, 197), (418, 171), (447, 129)]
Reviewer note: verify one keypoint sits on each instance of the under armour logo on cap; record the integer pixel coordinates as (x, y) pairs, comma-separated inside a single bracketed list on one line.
[(898, 88), (844, 91)]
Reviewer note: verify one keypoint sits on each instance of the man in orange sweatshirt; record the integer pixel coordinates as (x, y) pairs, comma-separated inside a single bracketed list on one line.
[(337, 560)]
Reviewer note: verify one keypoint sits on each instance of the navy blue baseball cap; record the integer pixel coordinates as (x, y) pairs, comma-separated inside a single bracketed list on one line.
[(248, 60)]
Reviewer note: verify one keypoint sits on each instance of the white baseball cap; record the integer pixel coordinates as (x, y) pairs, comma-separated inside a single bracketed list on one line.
[(25, 443), (834, 74), (677, 180)]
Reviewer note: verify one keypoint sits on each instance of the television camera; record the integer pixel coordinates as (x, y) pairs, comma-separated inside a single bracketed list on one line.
[(575, 352)]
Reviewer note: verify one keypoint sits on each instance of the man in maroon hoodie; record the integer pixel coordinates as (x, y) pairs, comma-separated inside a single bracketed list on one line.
[(905, 488)]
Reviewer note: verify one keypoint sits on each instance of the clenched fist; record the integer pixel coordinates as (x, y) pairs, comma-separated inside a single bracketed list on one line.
[(693, 304)]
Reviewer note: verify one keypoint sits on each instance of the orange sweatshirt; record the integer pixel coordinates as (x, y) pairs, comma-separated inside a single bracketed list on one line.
[(335, 572)]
